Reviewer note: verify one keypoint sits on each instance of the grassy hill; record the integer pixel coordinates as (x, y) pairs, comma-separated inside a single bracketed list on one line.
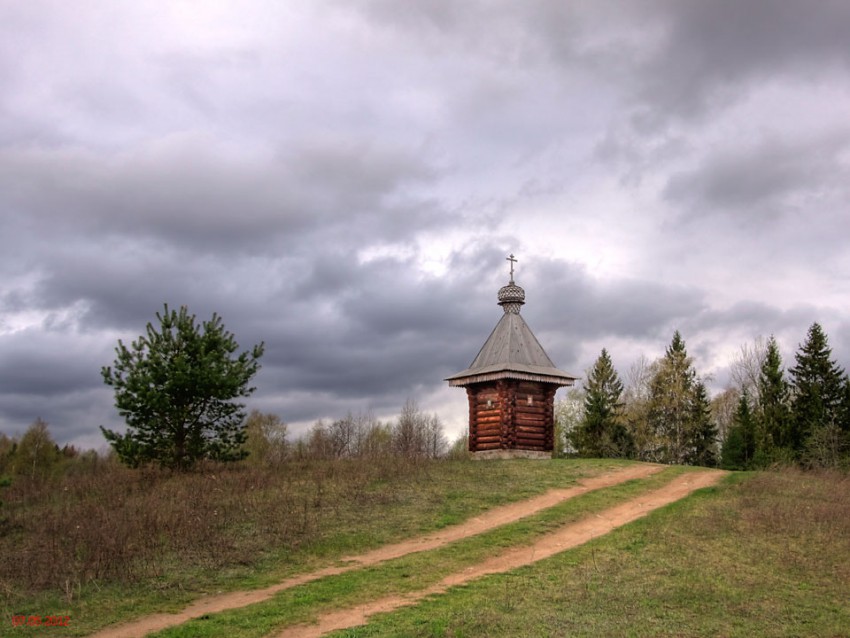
[(762, 554)]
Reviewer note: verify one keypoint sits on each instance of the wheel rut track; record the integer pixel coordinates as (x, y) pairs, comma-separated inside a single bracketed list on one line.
[(567, 537), (491, 519)]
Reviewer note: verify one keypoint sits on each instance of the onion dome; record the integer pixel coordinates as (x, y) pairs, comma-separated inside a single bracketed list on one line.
[(511, 297)]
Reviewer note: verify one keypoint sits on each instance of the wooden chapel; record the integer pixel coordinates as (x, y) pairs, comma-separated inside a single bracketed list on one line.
[(511, 387)]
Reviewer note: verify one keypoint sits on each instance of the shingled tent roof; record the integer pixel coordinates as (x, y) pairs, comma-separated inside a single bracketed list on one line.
[(511, 351)]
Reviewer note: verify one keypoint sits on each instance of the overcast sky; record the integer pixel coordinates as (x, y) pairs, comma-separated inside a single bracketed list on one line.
[(343, 180)]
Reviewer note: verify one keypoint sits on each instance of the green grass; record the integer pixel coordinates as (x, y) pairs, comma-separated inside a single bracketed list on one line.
[(760, 555)]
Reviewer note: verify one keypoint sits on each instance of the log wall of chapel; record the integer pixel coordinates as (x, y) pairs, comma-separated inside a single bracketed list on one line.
[(510, 414)]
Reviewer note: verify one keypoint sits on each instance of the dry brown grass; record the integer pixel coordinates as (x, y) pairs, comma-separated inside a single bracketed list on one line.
[(804, 514), (105, 522), (102, 525)]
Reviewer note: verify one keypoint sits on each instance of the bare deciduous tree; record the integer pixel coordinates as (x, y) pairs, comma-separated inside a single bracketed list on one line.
[(745, 369), (36, 451), (723, 408), (418, 435), (636, 398), (568, 413), (266, 438)]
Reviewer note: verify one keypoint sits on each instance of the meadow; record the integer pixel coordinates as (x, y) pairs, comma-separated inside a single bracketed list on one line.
[(760, 554)]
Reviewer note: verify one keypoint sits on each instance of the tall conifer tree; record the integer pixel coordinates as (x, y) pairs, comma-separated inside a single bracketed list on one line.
[(602, 432), (703, 449), (774, 415), (740, 445), (844, 412), (818, 388), (671, 403)]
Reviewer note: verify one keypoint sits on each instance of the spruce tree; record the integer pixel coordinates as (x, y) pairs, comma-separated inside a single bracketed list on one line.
[(703, 449), (818, 388), (774, 416), (740, 444), (601, 432), (844, 411), (671, 403)]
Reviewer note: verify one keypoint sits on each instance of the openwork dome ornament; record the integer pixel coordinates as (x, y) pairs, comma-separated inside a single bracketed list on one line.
[(511, 297)]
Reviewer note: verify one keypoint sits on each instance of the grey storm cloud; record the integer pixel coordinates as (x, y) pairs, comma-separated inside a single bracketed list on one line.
[(344, 180), (189, 193), (765, 178), (708, 51), (51, 363), (583, 307)]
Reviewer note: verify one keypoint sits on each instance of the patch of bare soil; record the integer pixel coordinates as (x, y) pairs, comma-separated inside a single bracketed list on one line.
[(565, 538), (488, 520)]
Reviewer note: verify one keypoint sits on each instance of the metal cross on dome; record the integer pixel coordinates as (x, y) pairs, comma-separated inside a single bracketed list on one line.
[(513, 260)]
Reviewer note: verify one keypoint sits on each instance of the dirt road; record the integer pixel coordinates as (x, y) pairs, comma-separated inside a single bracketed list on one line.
[(558, 541), (492, 518)]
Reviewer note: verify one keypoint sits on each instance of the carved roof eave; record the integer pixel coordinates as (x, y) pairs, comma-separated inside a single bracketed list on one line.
[(515, 371)]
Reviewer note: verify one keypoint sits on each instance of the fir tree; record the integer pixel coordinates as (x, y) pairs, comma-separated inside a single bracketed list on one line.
[(601, 432), (671, 403), (740, 444), (818, 388), (774, 414), (704, 440), (844, 411)]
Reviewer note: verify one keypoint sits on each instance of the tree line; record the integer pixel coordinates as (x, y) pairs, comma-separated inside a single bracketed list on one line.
[(178, 388), (664, 415), (413, 435)]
